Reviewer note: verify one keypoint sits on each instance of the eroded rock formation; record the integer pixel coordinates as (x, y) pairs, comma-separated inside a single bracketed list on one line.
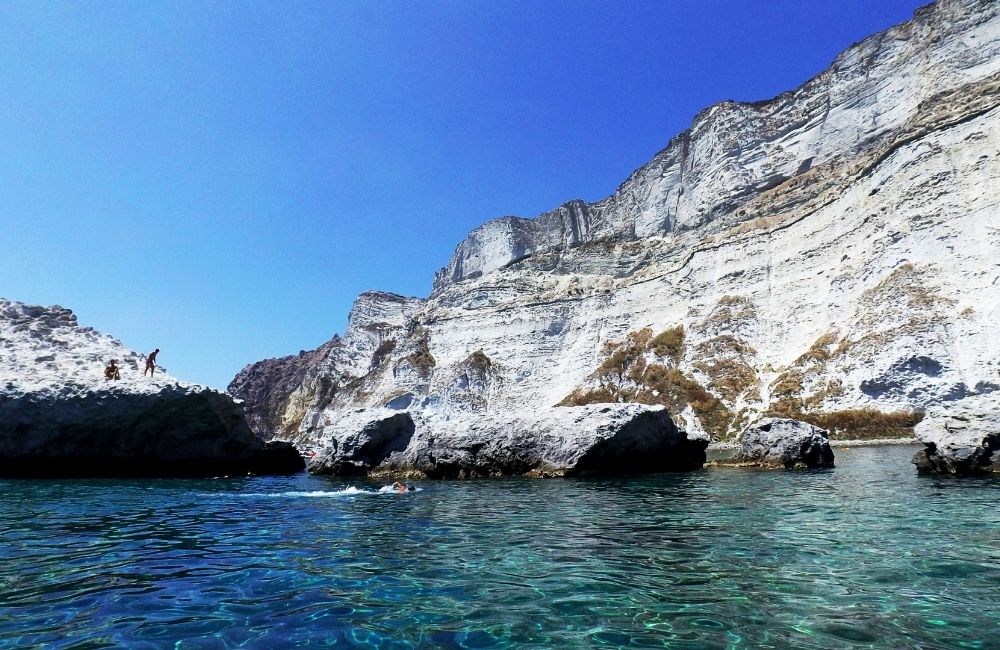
[(967, 442), (785, 443), (829, 255), (59, 416), (598, 439)]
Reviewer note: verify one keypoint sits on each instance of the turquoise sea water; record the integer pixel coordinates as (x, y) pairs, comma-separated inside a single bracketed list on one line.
[(865, 555)]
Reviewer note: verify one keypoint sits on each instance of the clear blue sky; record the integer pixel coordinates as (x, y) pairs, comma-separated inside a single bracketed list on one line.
[(221, 179)]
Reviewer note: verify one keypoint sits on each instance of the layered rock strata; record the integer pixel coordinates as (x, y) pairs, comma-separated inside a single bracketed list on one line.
[(828, 255), (59, 416)]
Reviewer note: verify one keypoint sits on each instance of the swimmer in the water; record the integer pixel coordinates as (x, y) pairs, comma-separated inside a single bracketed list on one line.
[(399, 487)]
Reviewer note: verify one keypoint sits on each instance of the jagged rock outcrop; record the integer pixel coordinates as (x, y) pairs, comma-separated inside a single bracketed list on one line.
[(781, 442), (960, 459), (592, 440), (291, 393), (966, 443), (828, 255), (59, 416)]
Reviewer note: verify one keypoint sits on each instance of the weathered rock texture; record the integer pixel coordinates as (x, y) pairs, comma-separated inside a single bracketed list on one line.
[(829, 255), (59, 416), (967, 442), (960, 459), (781, 442), (598, 439)]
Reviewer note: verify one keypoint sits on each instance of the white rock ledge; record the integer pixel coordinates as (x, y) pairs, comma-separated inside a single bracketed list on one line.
[(60, 417), (600, 439)]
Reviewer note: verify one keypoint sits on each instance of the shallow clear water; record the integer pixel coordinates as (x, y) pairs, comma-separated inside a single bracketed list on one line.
[(866, 555)]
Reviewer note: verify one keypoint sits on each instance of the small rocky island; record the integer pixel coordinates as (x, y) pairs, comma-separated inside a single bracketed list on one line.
[(968, 444), (59, 416), (775, 443)]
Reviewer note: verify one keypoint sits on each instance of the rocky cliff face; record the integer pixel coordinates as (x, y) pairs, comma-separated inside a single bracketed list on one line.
[(60, 416), (829, 255)]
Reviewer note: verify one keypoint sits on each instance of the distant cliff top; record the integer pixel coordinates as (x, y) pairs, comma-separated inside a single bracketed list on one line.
[(735, 150)]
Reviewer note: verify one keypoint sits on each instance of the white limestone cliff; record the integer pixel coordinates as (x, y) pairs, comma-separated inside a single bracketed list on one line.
[(832, 254)]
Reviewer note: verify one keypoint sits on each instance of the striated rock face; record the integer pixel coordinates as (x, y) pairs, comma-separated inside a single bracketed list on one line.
[(59, 416), (736, 150), (606, 439), (829, 255), (776, 442)]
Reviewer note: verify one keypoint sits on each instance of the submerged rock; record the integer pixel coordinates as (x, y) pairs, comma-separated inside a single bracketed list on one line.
[(782, 442), (59, 416), (591, 440)]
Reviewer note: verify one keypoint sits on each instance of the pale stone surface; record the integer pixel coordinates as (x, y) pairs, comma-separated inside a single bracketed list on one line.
[(830, 250), (596, 439), (60, 416), (963, 439), (782, 442), (960, 459)]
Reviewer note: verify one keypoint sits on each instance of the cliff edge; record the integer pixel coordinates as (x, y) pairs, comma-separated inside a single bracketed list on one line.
[(59, 416)]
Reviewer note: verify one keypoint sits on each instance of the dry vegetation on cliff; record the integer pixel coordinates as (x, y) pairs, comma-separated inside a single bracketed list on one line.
[(643, 369), (421, 358), (669, 343)]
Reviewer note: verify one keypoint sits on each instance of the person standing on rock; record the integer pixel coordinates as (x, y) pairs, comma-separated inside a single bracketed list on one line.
[(151, 362)]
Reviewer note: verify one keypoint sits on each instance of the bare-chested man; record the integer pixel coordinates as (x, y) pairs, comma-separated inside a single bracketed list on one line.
[(151, 362)]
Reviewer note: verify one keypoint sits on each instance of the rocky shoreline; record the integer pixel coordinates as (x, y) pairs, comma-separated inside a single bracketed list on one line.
[(597, 440), (826, 256), (59, 415)]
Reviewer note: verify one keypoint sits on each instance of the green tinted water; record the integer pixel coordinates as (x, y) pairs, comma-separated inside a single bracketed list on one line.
[(865, 555)]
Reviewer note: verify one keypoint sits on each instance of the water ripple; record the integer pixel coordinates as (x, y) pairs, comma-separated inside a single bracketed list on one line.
[(867, 555)]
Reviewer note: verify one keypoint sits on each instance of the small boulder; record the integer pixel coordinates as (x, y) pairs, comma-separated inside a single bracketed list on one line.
[(783, 442)]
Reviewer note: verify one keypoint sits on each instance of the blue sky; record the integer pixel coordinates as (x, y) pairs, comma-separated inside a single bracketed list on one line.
[(220, 180)]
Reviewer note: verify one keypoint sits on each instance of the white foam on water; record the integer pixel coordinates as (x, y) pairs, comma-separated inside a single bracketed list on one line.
[(346, 492)]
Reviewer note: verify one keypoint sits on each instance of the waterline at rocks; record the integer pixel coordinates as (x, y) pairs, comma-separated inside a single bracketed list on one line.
[(593, 440), (59, 416)]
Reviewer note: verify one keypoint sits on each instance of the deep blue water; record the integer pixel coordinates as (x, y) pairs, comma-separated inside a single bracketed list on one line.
[(865, 555)]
